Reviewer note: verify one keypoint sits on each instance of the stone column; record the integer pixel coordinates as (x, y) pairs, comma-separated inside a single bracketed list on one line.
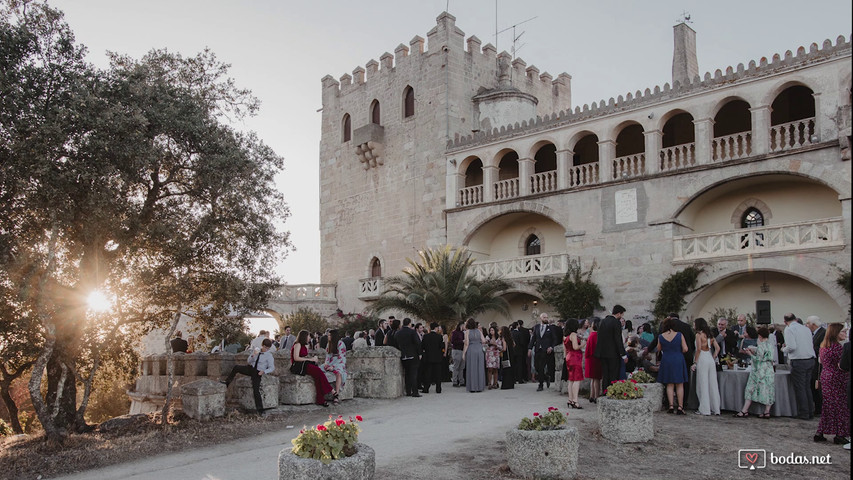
[(653, 140), (703, 131), (823, 129), (760, 129), (490, 176), (606, 154), (526, 168), (564, 165), (455, 181)]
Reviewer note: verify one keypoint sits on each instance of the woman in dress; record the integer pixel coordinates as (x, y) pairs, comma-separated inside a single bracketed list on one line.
[(336, 362), (592, 368), (508, 348), (574, 361), (707, 350), (748, 340), (673, 368), (472, 352), (299, 353), (200, 344), (835, 414), (493, 357), (761, 384)]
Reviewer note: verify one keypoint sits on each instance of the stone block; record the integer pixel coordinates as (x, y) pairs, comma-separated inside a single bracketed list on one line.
[(243, 393), (361, 466), (376, 372), (347, 391), (653, 393), (220, 364), (543, 454), (296, 390), (195, 365), (204, 399), (626, 421)]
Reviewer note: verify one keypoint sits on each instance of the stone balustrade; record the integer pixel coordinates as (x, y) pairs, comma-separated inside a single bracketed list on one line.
[(798, 236), (374, 372), (530, 266)]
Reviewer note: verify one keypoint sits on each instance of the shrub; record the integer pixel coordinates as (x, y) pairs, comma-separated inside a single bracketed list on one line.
[(641, 376), (550, 421), (575, 295), (672, 291), (5, 429), (625, 390), (332, 440), (306, 319)]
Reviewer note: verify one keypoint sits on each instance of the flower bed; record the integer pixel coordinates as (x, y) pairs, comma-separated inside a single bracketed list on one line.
[(543, 447)]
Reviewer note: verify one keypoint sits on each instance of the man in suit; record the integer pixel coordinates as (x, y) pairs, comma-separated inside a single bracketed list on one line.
[(288, 339), (741, 326), (432, 348), (379, 336), (523, 353), (543, 342), (178, 344), (259, 363), (818, 332), (610, 349), (690, 337), (726, 337), (409, 345)]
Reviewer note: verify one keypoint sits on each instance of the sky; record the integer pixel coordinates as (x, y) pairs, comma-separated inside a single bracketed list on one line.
[(280, 49)]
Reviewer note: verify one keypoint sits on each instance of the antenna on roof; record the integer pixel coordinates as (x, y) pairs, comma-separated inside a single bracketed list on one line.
[(515, 48), (684, 18)]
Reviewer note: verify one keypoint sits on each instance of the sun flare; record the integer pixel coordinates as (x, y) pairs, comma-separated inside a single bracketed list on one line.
[(99, 302)]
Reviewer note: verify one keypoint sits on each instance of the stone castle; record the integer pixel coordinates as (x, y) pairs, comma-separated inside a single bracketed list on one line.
[(744, 171)]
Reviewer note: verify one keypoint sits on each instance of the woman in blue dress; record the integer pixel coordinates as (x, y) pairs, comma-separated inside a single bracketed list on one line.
[(475, 361), (673, 368)]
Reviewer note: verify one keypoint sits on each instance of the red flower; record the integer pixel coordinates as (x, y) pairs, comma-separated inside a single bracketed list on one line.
[(624, 394), (340, 416), (635, 388), (358, 417), (551, 409), (535, 414), (302, 431), (614, 381), (633, 380), (339, 422), (321, 428)]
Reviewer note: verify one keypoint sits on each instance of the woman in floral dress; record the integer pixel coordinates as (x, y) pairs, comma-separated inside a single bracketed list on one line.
[(493, 357), (835, 414), (761, 384), (336, 361)]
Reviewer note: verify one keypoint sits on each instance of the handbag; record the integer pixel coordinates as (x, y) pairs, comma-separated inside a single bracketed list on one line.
[(298, 368), (505, 363)]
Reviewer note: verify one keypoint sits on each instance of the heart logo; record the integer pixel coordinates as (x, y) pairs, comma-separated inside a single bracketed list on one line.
[(751, 457)]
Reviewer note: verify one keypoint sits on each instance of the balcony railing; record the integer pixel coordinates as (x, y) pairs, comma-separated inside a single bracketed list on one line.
[(677, 157), (583, 175), (800, 236), (370, 288), (506, 189), (523, 267), (305, 292), (629, 166), (471, 195), (791, 135), (731, 147), (543, 182)]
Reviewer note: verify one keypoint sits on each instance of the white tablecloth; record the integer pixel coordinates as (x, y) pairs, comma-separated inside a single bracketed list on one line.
[(732, 384)]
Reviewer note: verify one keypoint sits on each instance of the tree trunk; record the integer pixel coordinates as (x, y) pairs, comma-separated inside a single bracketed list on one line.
[(10, 404), (170, 368), (43, 412)]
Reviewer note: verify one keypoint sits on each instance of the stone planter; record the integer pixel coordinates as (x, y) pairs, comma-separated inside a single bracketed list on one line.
[(626, 421), (360, 466), (653, 392), (543, 454)]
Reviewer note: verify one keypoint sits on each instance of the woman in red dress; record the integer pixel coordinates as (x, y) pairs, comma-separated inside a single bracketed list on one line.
[(593, 365), (299, 353), (574, 361)]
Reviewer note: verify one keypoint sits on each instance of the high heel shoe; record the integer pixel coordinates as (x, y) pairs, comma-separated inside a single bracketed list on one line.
[(575, 405), (680, 410)]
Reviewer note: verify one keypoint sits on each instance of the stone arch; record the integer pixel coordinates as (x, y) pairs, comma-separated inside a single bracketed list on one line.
[(516, 207), (495, 160), (522, 240), (808, 166), (370, 258), (671, 113), (737, 214), (538, 144), (715, 109), (578, 136), (463, 165), (615, 130), (795, 81)]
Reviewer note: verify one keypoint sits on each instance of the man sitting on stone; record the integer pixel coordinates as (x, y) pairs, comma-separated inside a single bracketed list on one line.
[(178, 344), (260, 363)]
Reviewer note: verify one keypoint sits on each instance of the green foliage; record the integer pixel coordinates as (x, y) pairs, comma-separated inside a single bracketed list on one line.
[(5, 429), (844, 282), (332, 440), (625, 390), (440, 288), (672, 291), (730, 314), (109, 392), (576, 295), (306, 319), (641, 376), (356, 322), (550, 421)]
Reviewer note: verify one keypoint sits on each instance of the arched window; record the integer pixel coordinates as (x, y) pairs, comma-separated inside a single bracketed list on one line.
[(347, 128), (375, 268), (752, 218), (533, 246), (375, 116), (408, 102)]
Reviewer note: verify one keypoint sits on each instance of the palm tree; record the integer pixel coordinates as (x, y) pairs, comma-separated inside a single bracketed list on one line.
[(440, 288)]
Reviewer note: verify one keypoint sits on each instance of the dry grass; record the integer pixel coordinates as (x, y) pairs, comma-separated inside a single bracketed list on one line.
[(34, 457)]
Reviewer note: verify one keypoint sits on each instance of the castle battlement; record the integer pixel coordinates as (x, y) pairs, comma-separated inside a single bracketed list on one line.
[(762, 68)]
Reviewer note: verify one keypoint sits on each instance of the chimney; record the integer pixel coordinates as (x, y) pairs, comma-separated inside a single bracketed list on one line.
[(684, 64)]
